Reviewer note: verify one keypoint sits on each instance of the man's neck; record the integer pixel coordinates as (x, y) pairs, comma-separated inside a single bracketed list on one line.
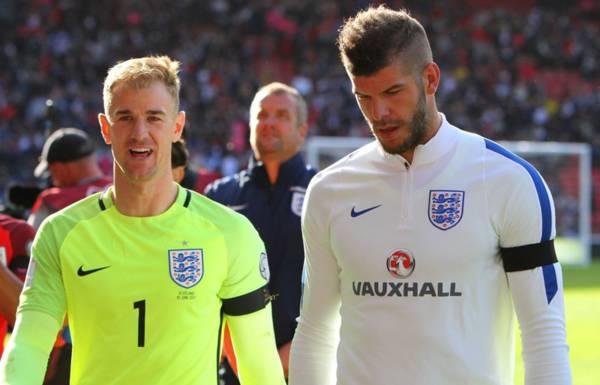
[(272, 166), (143, 199)]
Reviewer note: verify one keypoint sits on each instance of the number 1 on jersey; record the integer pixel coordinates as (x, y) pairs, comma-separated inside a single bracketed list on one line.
[(141, 306)]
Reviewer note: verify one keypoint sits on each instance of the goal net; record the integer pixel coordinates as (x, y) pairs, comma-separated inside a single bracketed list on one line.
[(566, 167)]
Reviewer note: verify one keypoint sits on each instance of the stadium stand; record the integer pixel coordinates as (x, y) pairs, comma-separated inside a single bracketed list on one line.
[(512, 70)]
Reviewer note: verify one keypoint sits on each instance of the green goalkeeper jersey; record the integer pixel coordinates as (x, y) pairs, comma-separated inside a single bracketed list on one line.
[(145, 296)]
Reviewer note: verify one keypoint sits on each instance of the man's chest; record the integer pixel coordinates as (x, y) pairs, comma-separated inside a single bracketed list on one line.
[(167, 265), (428, 229)]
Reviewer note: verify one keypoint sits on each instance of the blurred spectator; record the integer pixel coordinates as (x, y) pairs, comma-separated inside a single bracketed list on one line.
[(69, 160), (188, 177), (513, 70), (270, 193)]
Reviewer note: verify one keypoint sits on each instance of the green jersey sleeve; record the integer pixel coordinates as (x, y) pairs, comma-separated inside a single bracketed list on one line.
[(254, 344), (44, 290), (245, 287)]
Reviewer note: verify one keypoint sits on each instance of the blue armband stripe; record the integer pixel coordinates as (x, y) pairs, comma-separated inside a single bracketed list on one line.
[(537, 181)]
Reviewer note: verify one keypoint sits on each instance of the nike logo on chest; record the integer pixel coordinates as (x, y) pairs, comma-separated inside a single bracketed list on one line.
[(83, 273), (354, 213)]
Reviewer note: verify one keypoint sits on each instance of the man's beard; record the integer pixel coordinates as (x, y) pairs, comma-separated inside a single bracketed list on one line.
[(417, 127)]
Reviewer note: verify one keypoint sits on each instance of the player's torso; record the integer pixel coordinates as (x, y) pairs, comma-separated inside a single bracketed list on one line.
[(421, 280), (143, 294)]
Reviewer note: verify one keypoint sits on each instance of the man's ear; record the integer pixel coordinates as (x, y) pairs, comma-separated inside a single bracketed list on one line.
[(104, 127), (179, 124), (303, 130), (431, 78)]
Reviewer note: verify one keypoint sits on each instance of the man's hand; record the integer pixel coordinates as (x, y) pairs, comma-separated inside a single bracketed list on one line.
[(284, 355)]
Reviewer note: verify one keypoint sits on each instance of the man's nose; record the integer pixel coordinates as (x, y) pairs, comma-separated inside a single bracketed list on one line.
[(379, 110), (140, 128)]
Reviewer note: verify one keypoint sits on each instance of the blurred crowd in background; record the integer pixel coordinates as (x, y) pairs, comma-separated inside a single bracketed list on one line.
[(511, 70)]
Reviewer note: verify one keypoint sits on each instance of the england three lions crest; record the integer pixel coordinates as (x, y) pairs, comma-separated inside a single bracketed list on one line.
[(297, 199), (186, 266), (446, 208)]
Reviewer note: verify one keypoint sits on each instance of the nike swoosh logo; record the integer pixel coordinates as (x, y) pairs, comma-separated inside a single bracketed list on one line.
[(238, 207), (83, 273), (355, 213)]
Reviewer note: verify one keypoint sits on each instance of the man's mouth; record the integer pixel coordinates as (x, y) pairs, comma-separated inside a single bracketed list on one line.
[(140, 152)]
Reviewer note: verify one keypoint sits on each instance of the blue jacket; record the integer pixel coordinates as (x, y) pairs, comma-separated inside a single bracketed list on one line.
[(274, 210)]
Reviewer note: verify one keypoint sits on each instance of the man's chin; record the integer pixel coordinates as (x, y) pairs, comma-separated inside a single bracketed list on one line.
[(269, 149), (395, 148)]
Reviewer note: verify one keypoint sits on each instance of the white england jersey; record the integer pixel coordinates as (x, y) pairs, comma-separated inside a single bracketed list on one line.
[(414, 258)]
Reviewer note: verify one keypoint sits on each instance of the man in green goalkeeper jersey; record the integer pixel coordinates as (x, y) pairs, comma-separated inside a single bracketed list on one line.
[(146, 271)]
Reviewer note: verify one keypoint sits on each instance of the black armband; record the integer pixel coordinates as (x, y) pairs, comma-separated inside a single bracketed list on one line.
[(247, 303), (528, 257)]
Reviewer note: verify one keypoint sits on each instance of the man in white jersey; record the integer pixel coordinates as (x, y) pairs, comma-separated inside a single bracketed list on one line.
[(424, 241)]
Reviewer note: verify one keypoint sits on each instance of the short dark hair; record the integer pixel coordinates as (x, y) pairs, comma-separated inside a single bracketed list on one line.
[(179, 154), (376, 37)]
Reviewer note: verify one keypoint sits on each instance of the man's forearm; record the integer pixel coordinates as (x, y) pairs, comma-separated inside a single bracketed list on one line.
[(26, 357), (254, 344), (284, 356)]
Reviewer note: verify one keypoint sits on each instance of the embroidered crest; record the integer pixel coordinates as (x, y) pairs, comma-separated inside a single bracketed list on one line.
[(445, 208), (264, 266), (297, 201), (186, 266)]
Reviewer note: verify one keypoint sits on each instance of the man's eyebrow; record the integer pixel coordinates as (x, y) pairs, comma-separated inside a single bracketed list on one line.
[(156, 112), (395, 87), (149, 112)]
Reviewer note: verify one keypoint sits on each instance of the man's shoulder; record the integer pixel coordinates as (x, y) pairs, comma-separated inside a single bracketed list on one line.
[(226, 186), (215, 213), (57, 225), (79, 210), (308, 173), (355, 162)]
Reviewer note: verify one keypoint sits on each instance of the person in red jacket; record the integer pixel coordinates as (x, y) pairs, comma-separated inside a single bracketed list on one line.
[(69, 159), (16, 237)]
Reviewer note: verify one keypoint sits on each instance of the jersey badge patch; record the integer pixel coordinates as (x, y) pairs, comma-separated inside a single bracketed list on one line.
[(297, 202), (264, 267), (446, 208), (186, 266)]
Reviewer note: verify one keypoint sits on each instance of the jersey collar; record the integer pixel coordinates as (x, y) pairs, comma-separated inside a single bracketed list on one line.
[(106, 202)]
